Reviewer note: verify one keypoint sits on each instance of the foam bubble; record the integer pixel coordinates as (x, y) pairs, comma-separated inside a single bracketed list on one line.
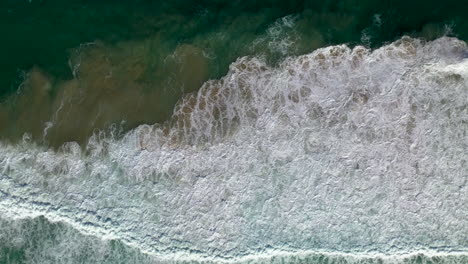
[(340, 150)]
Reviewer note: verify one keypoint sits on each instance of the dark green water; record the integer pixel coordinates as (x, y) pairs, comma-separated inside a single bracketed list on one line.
[(42, 32), (135, 40)]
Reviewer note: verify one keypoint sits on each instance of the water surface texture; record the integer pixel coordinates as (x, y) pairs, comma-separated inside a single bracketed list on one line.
[(233, 132)]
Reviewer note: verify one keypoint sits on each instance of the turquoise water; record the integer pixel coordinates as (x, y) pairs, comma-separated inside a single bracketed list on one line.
[(233, 132)]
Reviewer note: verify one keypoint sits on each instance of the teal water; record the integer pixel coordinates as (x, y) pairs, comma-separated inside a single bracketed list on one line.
[(233, 131), (39, 241)]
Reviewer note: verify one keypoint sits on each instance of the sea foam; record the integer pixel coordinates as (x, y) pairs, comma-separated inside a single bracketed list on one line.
[(342, 152)]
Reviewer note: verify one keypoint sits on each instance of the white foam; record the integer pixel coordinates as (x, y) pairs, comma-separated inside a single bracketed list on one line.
[(340, 150), (281, 37)]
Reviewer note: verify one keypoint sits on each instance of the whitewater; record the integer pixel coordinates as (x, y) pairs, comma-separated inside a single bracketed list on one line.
[(343, 155)]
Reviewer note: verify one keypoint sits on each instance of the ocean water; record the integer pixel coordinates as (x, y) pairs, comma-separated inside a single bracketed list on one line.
[(234, 132)]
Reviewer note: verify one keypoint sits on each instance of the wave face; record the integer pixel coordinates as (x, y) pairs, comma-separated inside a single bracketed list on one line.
[(340, 150)]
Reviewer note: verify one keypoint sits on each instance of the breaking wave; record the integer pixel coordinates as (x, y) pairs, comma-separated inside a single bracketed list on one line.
[(338, 156)]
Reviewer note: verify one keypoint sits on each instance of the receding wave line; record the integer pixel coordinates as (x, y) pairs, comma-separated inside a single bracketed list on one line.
[(433, 256)]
